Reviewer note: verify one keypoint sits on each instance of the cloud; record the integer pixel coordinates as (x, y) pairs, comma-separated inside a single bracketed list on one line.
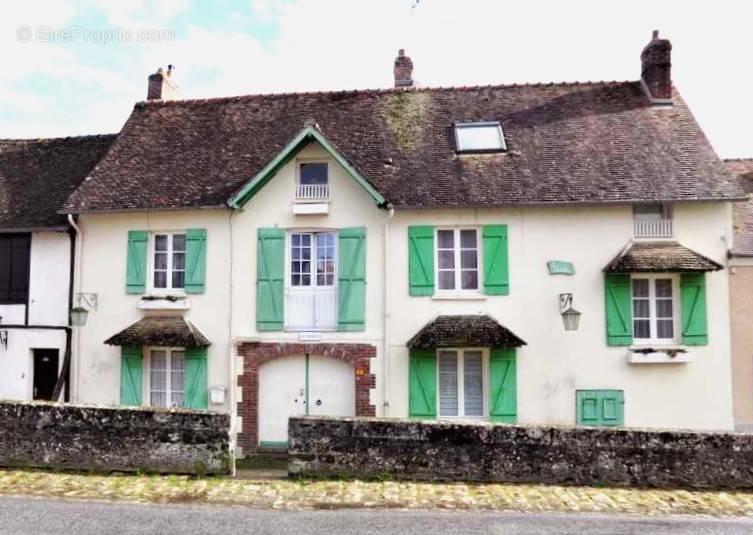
[(250, 46)]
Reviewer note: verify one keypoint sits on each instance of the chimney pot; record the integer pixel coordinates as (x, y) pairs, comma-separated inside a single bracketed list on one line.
[(656, 69), (403, 70), (160, 86)]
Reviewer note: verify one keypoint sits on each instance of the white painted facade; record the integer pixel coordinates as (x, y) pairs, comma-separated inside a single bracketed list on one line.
[(44, 325), (551, 367)]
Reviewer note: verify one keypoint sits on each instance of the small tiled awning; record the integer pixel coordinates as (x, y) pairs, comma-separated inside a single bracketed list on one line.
[(169, 331), (464, 331), (660, 257)]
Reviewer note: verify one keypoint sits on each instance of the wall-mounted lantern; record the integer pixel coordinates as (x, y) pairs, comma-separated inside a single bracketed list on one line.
[(79, 313), (570, 316)]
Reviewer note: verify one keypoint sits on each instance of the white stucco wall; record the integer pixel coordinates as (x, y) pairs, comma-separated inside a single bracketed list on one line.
[(555, 363), (550, 368), (96, 368), (49, 277)]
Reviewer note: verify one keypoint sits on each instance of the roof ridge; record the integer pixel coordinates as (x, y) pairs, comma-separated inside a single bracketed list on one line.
[(54, 139), (749, 159), (375, 91)]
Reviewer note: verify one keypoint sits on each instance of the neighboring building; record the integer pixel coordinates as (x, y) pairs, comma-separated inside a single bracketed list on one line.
[(36, 242), (741, 298), (403, 252)]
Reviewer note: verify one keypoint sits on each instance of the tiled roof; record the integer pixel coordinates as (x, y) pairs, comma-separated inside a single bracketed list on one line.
[(660, 257), (38, 175), (567, 143), (464, 331), (169, 331), (743, 212)]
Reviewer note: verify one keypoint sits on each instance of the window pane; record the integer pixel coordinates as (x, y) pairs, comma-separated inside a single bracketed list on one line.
[(306, 240), (306, 279), (306, 252), (296, 280), (177, 379), (663, 308), (640, 308), (160, 242), (640, 287), (179, 242), (313, 173), (158, 379), (468, 239), (179, 260), (469, 259), (642, 329), (448, 383), (469, 280), (445, 239), (664, 329), (473, 395), (663, 287), (179, 278), (160, 260), (296, 239), (446, 259), (160, 279), (478, 137), (446, 280)]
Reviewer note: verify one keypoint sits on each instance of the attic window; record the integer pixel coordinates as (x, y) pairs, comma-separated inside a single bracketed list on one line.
[(479, 137)]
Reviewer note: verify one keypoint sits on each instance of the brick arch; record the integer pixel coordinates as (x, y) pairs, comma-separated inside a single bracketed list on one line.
[(255, 354)]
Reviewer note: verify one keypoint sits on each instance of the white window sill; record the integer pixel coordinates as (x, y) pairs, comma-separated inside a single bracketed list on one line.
[(659, 354), (310, 207), (457, 296), (164, 302)]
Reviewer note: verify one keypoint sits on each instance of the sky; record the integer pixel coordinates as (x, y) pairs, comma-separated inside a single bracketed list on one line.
[(73, 67)]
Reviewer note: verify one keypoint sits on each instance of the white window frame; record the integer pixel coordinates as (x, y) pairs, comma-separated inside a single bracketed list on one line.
[(151, 263), (676, 321), (299, 162), (458, 269), (479, 124), (147, 373), (288, 286), (461, 383)]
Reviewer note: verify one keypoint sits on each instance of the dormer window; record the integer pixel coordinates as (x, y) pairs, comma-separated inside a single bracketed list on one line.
[(313, 181), (652, 220), (479, 137)]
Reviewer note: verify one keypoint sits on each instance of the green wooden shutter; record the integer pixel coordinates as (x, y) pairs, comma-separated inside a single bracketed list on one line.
[(503, 406), (131, 365), (619, 312), (352, 279), (270, 274), (422, 384), (195, 378), (136, 262), (600, 407), (196, 260), (421, 260), (693, 296), (496, 263)]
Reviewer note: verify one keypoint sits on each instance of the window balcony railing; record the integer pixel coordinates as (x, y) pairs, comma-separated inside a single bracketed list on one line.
[(312, 192), (653, 228)]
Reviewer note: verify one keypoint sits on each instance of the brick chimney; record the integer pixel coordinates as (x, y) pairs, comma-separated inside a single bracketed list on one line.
[(403, 70), (656, 69), (161, 87)]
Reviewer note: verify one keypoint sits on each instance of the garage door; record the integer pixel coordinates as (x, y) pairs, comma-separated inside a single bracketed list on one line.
[(293, 386)]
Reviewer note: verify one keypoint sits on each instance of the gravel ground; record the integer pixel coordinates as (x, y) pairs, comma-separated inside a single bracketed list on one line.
[(332, 495)]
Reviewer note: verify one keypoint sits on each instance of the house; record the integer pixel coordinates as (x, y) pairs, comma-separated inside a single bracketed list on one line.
[(412, 252), (36, 261), (741, 298)]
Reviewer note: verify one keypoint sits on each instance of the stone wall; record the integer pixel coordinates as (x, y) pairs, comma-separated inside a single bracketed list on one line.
[(407, 449), (80, 437)]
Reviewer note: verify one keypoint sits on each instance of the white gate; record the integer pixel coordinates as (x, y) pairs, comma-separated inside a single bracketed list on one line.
[(294, 386)]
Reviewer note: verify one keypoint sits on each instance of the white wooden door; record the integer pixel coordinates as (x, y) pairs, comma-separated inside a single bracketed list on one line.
[(282, 394), (331, 387)]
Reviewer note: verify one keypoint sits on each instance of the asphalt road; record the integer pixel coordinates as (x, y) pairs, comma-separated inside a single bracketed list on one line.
[(41, 516)]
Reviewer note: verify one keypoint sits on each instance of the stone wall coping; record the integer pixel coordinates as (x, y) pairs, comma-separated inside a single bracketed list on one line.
[(142, 409)]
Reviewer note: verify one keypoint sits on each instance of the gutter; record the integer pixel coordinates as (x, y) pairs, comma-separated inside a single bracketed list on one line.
[(387, 314)]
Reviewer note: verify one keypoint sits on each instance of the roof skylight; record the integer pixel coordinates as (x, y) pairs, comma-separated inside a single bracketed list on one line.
[(479, 137)]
